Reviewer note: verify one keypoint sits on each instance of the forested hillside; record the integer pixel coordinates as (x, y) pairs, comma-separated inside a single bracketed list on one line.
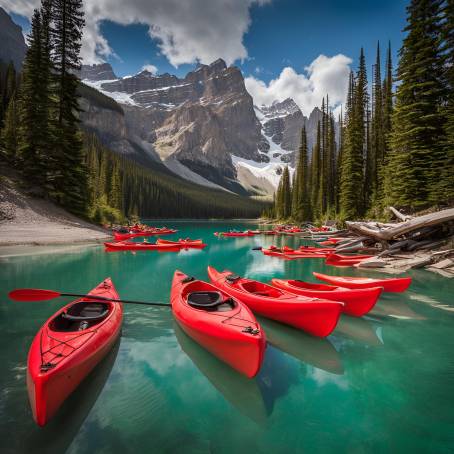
[(396, 141), (41, 136)]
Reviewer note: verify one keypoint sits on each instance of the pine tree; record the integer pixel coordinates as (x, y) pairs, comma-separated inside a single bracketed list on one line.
[(286, 194), (445, 188), (377, 145), (115, 187), (315, 176), (66, 34), (9, 139), (351, 197), (301, 196), (331, 165), (387, 93), (340, 152), (10, 83), (34, 125), (417, 156)]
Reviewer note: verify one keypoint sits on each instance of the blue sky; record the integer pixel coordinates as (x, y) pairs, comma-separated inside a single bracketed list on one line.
[(261, 36), (281, 33)]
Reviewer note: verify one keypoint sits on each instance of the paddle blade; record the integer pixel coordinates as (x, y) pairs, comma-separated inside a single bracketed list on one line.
[(258, 248), (32, 294)]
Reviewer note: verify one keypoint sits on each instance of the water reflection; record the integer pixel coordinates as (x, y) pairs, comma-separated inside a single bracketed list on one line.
[(59, 433), (317, 352), (357, 329), (392, 307), (243, 393)]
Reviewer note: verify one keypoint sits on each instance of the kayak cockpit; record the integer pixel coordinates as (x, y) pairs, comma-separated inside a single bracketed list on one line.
[(80, 316), (260, 289), (210, 301), (310, 286)]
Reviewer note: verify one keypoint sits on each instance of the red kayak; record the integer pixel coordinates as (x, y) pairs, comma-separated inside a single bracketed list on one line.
[(131, 246), (68, 346), (345, 260), (276, 252), (396, 284), (357, 301), (183, 243), (235, 234), (317, 317), (222, 325), (268, 232), (320, 253), (329, 250), (126, 236)]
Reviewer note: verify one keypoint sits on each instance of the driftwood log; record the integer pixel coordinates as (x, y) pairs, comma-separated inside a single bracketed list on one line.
[(399, 215), (395, 232)]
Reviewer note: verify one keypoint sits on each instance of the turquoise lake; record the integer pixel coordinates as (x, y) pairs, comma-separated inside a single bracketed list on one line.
[(382, 383)]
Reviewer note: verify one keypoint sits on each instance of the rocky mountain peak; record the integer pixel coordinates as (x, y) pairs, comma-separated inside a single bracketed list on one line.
[(101, 71), (13, 47), (280, 108)]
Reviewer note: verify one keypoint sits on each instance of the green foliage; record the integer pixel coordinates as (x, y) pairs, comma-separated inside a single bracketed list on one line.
[(35, 136), (351, 197), (98, 99), (8, 136), (66, 33), (300, 192), (444, 189), (134, 190), (417, 156)]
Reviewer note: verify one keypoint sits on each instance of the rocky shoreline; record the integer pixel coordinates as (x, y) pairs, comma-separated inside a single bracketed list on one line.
[(27, 220)]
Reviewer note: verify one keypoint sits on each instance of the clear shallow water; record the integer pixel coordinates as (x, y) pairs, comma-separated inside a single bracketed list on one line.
[(384, 383)]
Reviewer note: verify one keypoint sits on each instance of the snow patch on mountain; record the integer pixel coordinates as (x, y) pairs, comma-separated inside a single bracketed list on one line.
[(118, 96), (271, 171)]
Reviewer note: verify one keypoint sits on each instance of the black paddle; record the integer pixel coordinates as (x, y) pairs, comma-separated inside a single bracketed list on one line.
[(34, 294)]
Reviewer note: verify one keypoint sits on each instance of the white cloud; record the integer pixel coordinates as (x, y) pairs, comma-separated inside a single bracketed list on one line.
[(150, 68), (325, 75), (187, 31)]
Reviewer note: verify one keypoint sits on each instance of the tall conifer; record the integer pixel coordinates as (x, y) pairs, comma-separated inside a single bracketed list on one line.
[(417, 156), (66, 34)]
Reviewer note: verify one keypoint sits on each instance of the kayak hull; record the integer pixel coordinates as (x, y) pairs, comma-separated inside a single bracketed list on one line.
[(399, 284), (357, 302), (234, 234), (224, 334), (68, 356), (316, 317), (126, 236), (186, 244), (130, 246)]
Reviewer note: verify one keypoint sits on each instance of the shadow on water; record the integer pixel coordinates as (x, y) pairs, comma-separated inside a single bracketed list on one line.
[(144, 324), (390, 306), (311, 350), (243, 393), (357, 329), (59, 433)]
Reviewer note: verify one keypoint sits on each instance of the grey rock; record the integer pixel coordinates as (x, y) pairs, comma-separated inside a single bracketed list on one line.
[(13, 47), (96, 72)]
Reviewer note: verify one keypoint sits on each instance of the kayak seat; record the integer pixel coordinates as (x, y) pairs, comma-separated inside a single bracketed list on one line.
[(209, 301), (79, 316)]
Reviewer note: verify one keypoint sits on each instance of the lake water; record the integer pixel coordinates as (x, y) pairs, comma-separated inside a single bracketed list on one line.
[(382, 383)]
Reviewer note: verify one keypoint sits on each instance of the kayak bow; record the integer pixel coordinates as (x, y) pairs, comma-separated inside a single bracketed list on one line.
[(67, 348), (222, 325)]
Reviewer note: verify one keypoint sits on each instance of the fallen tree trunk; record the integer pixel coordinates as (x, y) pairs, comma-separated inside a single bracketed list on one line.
[(404, 227), (399, 215)]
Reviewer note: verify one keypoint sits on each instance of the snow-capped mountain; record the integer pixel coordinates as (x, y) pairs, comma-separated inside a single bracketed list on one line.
[(204, 126)]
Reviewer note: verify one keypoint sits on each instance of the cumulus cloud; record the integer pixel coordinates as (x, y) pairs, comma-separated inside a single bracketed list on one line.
[(187, 31), (325, 75), (150, 68)]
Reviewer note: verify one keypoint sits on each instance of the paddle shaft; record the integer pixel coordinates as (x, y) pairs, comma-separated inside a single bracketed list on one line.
[(102, 298)]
